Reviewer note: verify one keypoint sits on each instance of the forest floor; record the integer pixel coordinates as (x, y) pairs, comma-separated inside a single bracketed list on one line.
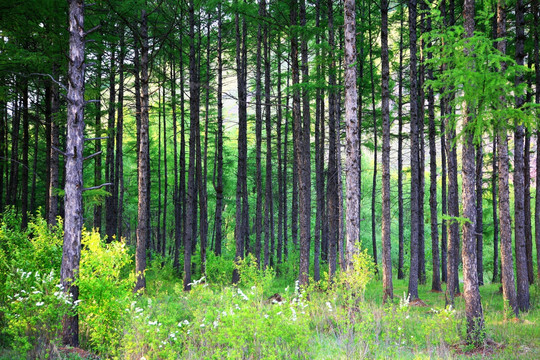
[(267, 317)]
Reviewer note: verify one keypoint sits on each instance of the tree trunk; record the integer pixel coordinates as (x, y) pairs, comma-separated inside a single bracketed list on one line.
[(219, 149), (479, 229), (375, 146), (536, 10), (242, 216), (111, 201), (413, 270), (119, 167), (269, 211), (519, 178), (444, 234), (436, 278), (401, 226), (494, 191), (332, 178), (24, 162), (143, 165), (527, 206), (193, 132), (98, 208), (73, 222), (386, 217), (258, 141)]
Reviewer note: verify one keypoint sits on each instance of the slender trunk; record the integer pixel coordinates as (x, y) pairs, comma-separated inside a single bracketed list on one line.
[(14, 172), (479, 214), (193, 126), (53, 155), (242, 216), (507, 266), (258, 141), (176, 196), (519, 177), (536, 10), (401, 225), (386, 217), (165, 174), (111, 201), (436, 278), (444, 234), (98, 208), (73, 222), (24, 163), (494, 191), (34, 165), (375, 146), (332, 177), (143, 165), (413, 270), (285, 157), (157, 243), (527, 206), (421, 151), (219, 150), (280, 176), (269, 213), (204, 187), (119, 167)]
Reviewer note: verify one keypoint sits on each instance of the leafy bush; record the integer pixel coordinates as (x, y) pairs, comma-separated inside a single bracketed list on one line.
[(105, 286)]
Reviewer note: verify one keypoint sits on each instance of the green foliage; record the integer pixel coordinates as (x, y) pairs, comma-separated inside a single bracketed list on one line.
[(106, 282), (353, 282), (251, 275), (477, 75)]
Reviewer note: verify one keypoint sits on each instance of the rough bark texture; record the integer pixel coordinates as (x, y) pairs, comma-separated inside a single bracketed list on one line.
[(24, 162), (219, 149), (351, 129), (374, 230), (258, 140), (332, 180), (119, 166), (413, 270), (386, 219), (444, 234), (479, 214), (73, 221), (401, 226), (519, 177), (194, 88), (143, 165), (304, 156), (473, 305), (537, 100), (52, 211), (527, 206), (494, 191)]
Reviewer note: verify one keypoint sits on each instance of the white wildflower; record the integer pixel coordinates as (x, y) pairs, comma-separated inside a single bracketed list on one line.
[(40, 303)]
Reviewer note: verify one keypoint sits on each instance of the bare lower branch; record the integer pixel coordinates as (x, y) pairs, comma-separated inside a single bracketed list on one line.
[(58, 150), (93, 155), (53, 79), (96, 187), (96, 138)]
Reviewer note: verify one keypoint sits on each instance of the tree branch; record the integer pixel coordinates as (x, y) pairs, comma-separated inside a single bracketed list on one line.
[(96, 187), (93, 155)]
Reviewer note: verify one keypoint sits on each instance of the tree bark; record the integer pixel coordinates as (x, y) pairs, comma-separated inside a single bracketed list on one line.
[(536, 10), (24, 162), (258, 141), (375, 147), (413, 270), (479, 228), (71, 253), (143, 164), (519, 178), (98, 208), (494, 191), (119, 167), (401, 227), (332, 180), (111, 201), (219, 149), (386, 219)]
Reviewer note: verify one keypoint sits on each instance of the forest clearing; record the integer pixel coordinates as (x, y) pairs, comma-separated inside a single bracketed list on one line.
[(283, 179)]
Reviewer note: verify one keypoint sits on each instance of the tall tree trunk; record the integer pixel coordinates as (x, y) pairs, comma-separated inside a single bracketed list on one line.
[(519, 178), (193, 134), (157, 242), (176, 196), (242, 215), (119, 167), (203, 188), (494, 191), (413, 270), (219, 149), (302, 127), (35, 164), (111, 201), (24, 163), (14, 172), (143, 165), (73, 222), (375, 145), (386, 217), (53, 155), (473, 304), (285, 157), (527, 206), (452, 277), (258, 140), (479, 214), (401, 226), (332, 177), (436, 278), (269, 212), (98, 208), (507, 266), (444, 234), (165, 174), (536, 10)]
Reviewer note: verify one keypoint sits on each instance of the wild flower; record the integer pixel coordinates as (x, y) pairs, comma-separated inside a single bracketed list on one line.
[(293, 314), (329, 306), (40, 303), (241, 293)]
